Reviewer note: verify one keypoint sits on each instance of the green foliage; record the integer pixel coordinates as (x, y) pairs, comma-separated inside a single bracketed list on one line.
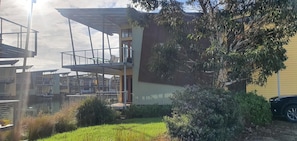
[(204, 114), (245, 37), (94, 112), (254, 108), (165, 59), (40, 127), (146, 111), (64, 125)]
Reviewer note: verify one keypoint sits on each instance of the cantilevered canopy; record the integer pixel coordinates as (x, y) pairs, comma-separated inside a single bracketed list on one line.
[(52, 70), (7, 51), (22, 67), (107, 20), (8, 62)]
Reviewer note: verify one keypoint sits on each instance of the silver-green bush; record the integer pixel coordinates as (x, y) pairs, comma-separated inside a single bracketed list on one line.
[(204, 114)]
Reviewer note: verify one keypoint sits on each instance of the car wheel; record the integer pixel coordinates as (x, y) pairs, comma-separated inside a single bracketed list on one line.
[(291, 113)]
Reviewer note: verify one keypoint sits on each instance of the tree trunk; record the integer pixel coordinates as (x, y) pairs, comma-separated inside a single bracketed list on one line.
[(222, 78)]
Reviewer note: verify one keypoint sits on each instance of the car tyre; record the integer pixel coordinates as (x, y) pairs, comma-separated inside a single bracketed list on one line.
[(291, 113)]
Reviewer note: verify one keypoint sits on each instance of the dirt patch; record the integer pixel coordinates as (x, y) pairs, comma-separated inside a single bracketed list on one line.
[(279, 130)]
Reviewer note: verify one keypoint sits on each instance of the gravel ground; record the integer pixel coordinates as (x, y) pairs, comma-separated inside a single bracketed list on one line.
[(279, 130)]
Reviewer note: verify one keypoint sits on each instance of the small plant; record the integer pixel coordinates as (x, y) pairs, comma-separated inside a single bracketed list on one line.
[(204, 114), (254, 108), (94, 112)]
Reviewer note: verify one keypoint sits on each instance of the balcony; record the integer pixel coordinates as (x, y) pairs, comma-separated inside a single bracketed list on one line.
[(13, 40), (111, 59)]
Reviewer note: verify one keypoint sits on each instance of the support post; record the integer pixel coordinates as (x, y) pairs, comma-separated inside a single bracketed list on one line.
[(93, 55), (73, 52), (103, 54), (125, 80), (278, 84)]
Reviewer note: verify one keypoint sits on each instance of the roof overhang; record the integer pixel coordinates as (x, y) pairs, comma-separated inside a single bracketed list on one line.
[(51, 70), (8, 62), (107, 20), (7, 51), (18, 67)]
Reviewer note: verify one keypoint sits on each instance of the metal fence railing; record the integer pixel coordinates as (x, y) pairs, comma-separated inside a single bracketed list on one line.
[(97, 56), (14, 34)]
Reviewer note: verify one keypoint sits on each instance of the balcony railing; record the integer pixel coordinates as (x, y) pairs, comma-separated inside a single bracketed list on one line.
[(83, 57), (14, 34), (8, 111)]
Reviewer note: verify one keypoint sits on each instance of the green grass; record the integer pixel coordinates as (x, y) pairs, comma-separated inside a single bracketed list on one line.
[(127, 130)]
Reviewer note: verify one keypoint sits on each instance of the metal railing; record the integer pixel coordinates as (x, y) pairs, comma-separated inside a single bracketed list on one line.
[(110, 97), (111, 55), (8, 111), (14, 34)]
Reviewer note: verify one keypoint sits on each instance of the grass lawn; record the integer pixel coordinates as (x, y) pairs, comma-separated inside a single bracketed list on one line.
[(128, 130)]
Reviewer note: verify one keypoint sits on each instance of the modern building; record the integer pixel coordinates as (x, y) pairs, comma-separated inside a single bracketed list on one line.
[(41, 83), (64, 83), (12, 48), (129, 61)]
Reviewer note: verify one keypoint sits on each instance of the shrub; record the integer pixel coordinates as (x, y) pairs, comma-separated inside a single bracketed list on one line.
[(94, 112), (40, 127), (65, 118), (254, 108), (64, 125), (46, 125), (141, 111), (203, 114)]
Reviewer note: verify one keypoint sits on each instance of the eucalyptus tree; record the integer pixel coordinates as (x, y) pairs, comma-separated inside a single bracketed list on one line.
[(245, 38)]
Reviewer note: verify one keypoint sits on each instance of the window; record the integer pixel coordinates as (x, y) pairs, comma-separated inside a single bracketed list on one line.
[(2, 88), (126, 33), (127, 49)]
